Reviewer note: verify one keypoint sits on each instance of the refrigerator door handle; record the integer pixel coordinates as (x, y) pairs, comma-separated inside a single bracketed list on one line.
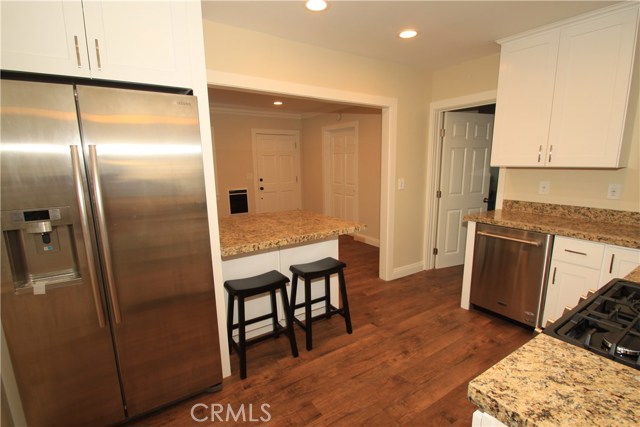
[(84, 223), (104, 237)]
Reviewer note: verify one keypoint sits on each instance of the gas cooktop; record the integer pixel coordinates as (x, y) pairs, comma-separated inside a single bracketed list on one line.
[(606, 323)]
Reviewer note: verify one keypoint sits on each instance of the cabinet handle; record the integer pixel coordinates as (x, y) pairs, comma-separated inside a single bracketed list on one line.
[(575, 252), (553, 279), (539, 154), (613, 256), (75, 40), (98, 54), (550, 152)]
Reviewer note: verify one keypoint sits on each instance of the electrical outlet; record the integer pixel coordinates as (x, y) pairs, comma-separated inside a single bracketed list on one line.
[(614, 191), (400, 183), (543, 187)]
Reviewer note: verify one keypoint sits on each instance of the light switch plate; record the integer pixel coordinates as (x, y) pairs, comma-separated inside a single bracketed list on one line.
[(614, 191), (544, 187)]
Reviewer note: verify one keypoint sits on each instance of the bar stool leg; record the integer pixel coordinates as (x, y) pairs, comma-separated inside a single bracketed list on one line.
[(288, 318), (345, 301), (307, 312), (294, 289), (327, 296), (242, 345), (274, 314), (230, 321)]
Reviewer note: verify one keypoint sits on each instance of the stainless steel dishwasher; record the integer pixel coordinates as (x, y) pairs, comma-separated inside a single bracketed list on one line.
[(509, 272)]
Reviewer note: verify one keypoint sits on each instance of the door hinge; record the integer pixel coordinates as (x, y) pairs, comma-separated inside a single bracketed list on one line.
[(438, 194), (435, 251), (442, 132)]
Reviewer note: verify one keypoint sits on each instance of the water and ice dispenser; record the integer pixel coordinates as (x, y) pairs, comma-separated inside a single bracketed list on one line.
[(41, 248)]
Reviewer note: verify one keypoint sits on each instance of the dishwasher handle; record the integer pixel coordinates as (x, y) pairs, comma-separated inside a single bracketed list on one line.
[(512, 239)]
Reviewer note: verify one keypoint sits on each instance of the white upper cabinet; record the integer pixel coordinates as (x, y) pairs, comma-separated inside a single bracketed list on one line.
[(525, 93), (44, 37), (563, 93), (133, 41)]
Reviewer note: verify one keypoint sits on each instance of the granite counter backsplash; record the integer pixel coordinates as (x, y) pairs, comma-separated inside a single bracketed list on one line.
[(599, 225), (243, 234)]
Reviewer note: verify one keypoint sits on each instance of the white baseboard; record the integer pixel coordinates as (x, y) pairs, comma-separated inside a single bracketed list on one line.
[(407, 270), (366, 239)]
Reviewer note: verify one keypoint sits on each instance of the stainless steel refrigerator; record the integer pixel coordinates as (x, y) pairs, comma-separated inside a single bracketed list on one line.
[(108, 302)]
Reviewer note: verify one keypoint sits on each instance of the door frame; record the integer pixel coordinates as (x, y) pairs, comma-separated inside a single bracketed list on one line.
[(254, 148), (389, 139), (326, 163), (434, 153)]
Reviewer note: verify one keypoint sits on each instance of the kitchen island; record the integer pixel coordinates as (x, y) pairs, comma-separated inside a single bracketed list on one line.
[(548, 382), (256, 243)]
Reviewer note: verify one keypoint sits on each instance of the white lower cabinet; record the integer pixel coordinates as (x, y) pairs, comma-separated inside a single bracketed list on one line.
[(480, 419), (618, 262), (567, 282), (578, 266)]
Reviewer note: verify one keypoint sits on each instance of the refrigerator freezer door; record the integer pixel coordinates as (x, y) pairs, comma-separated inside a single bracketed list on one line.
[(145, 164), (53, 313)]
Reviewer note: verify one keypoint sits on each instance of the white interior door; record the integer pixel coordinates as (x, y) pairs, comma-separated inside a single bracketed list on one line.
[(341, 170), (276, 168), (464, 180)]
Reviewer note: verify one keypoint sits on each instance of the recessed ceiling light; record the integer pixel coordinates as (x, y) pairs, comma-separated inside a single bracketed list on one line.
[(408, 34), (277, 102), (316, 5)]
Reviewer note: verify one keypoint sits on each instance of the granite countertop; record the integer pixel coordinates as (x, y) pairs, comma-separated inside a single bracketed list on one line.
[(243, 234), (598, 225), (550, 383)]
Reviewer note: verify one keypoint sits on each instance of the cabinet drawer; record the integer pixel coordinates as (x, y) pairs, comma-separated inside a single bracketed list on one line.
[(578, 252)]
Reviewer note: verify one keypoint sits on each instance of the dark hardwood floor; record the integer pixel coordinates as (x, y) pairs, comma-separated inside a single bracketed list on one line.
[(412, 352)]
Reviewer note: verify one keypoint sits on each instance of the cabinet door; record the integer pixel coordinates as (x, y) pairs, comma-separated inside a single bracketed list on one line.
[(523, 106), (618, 262), (592, 87), (144, 41), (567, 282), (44, 37)]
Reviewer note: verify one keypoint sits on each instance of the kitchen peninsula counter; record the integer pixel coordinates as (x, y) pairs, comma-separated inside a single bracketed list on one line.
[(256, 243), (550, 383), (244, 234), (599, 225)]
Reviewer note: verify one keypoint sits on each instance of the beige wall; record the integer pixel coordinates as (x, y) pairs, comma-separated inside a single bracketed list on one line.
[(369, 140), (234, 152), (479, 75), (239, 51), (568, 186)]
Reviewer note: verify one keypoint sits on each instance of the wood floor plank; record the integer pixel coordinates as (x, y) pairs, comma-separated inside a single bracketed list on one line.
[(408, 362)]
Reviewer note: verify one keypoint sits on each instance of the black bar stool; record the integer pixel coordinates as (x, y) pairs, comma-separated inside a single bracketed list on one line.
[(248, 287), (313, 270)]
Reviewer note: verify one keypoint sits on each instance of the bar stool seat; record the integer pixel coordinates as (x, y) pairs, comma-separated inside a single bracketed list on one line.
[(248, 287), (322, 268)]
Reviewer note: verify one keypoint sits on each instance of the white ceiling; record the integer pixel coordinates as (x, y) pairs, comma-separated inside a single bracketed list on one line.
[(450, 32)]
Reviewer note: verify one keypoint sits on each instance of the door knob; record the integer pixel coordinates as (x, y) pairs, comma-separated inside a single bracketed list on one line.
[(485, 200), (261, 188)]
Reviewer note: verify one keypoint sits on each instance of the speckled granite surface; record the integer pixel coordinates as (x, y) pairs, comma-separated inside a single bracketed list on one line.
[(598, 225), (244, 234), (549, 383)]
